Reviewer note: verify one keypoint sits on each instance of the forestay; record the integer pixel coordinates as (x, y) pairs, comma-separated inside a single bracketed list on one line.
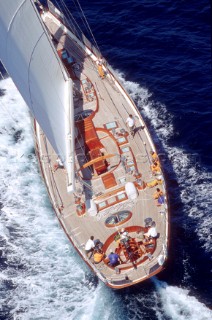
[(30, 58)]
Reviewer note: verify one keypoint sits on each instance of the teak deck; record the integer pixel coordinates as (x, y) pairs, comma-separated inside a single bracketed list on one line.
[(107, 157)]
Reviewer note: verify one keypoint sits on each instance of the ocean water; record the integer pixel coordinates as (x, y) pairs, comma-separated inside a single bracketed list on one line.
[(161, 51)]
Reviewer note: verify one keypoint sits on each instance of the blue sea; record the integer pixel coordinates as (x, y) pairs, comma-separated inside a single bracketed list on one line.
[(161, 51)]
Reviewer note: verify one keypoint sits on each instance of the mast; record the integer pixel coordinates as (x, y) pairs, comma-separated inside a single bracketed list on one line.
[(29, 56)]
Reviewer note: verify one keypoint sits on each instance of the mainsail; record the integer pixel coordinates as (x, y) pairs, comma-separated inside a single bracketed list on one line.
[(27, 52)]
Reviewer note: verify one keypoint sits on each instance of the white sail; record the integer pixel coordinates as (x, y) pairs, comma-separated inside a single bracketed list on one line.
[(31, 60)]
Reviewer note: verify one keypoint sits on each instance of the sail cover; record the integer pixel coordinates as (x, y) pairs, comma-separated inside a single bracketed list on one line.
[(31, 60)]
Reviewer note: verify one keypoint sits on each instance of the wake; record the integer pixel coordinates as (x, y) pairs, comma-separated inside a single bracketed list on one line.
[(41, 274)]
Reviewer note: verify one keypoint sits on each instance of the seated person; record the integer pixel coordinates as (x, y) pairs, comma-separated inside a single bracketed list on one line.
[(154, 183), (121, 235), (155, 167), (152, 232), (159, 196), (98, 256), (113, 259), (89, 246), (124, 235), (100, 69), (154, 156), (58, 164), (98, 244), (161, 200)]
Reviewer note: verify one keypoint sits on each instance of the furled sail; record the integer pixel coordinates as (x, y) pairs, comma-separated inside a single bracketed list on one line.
[(27, 52)]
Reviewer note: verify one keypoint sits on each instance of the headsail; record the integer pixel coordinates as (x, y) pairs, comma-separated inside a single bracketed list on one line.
[(31, 60)]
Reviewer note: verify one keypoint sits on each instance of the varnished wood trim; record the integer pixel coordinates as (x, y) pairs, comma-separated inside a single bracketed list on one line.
[(121, 222), (89, 163), (112, 204), (109, 194)]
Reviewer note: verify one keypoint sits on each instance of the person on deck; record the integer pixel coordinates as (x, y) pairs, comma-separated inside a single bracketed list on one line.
[(98, 244), (158, 193), (152, 232), (130, 122), (154, 183), (113, 259), (159, 196), (155, 167), (58, 165), (100, 69), (124, 234), (89, 246), (154, 156), (98, 256)]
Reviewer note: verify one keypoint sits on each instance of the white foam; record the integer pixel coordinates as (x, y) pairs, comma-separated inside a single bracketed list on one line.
[(178, 304), (48, 278), (155, 112), (187, 167)]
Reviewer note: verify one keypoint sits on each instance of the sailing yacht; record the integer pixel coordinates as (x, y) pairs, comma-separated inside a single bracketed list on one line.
[(96, 155)]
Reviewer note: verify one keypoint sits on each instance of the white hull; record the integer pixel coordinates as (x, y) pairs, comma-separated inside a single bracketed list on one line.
[(109, 103)]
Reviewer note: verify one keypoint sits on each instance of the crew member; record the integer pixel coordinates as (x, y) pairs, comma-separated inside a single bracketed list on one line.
[(158, 193), (98, 256), (154, 183), (58, 165), (124, 234), (113, 259), (152, 232), (155, 167), (100, 69), (89, 246), (159, 196), (131, 124), (154, 156)]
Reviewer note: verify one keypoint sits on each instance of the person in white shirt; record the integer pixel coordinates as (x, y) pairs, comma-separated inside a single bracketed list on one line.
[(124, 234), (58, 164), (131, 124), (152, 232), (89, 246)]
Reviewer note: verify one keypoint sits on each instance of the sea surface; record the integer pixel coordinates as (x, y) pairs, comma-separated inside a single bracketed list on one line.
[(161, 51)]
